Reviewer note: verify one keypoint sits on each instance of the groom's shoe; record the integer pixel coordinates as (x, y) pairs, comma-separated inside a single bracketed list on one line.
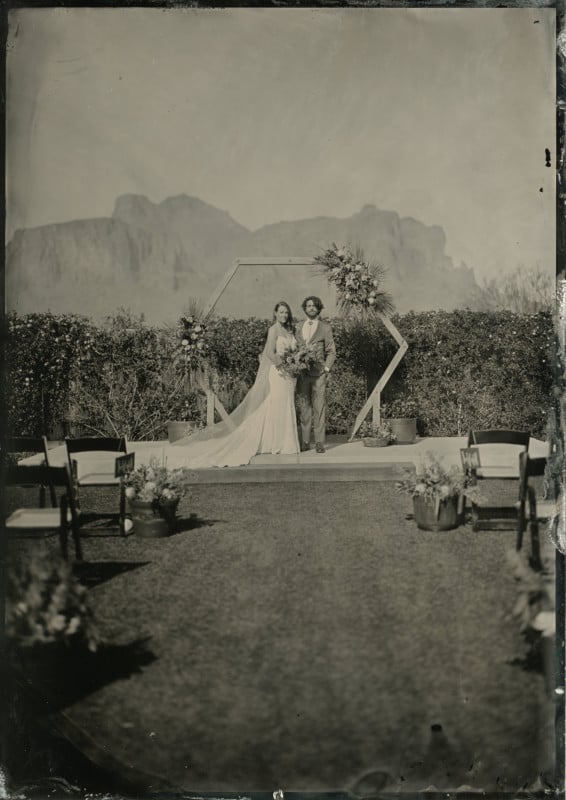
[(305, 447), (320, 448)]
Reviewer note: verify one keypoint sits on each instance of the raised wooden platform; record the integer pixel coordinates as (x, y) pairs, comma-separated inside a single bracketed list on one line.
[(342, 461)]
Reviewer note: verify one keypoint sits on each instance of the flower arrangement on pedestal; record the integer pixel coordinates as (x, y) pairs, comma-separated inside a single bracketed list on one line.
[(153, 492), (155, 483), (45, 604), (190, 362), (358, 282), (436, 493)]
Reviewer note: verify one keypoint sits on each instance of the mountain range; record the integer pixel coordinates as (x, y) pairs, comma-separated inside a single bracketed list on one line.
[(153, 258)]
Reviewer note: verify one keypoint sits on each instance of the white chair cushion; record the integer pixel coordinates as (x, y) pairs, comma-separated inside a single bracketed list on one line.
[(98, 479), (545, 508), (96, 468), (497, 472), (34, 518)]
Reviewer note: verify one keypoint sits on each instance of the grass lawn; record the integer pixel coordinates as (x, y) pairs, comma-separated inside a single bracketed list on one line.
[(299, 635)]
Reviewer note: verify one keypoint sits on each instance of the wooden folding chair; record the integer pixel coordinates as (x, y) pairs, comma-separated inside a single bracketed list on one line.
[(496, 517), (532, 509), (100, 466), (14, 445), (45, 520)]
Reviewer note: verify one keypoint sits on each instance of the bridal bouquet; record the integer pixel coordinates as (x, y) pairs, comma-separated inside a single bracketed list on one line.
[(302, 359)]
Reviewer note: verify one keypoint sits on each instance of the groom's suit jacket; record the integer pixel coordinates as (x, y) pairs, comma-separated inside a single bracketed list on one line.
[(323, 342)]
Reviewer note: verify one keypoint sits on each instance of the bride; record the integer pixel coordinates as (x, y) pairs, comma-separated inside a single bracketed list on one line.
[(265, 420)]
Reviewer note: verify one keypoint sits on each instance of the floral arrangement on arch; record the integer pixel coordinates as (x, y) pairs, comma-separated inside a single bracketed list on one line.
[(157, 484), (45, 603), (193, 345), (358, 282), (435, 483)]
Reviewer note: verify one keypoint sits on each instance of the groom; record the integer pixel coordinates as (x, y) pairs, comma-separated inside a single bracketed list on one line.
[(311, 386)]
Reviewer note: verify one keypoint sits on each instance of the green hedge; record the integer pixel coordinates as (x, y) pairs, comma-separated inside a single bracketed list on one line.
[(462, 369)]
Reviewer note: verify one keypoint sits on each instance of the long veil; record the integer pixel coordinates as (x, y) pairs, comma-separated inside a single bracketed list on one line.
[(251, 402)]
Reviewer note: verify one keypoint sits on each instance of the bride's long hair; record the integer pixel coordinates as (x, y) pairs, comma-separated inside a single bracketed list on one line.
[(290, 324)]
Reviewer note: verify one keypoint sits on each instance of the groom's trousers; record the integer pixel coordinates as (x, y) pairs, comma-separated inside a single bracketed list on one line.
[(312, 407)]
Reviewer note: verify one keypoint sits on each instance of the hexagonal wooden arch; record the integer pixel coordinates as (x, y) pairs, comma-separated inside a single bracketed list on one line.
[(373, 401)]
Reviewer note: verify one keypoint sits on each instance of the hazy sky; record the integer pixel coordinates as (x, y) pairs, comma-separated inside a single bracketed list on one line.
[(277, 114)]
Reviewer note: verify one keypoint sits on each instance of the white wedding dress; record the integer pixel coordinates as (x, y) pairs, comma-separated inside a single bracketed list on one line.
[(265, 423)]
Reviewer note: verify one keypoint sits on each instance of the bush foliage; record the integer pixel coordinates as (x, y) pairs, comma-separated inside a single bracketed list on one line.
[(462, 370)]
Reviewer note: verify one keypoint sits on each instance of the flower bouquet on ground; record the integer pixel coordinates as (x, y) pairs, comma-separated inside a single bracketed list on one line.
[(294, 362), (376, 435), (153, 492), (437, 493), (358, 283)]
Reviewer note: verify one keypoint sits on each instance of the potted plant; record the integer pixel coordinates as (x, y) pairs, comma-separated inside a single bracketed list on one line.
[(376, 435), (45, 603), (153, 492), (402, 417), (437, 494), (49, 622), (187, 420)]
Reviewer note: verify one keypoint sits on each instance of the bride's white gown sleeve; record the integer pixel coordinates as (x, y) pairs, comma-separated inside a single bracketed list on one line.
[(264, 422)]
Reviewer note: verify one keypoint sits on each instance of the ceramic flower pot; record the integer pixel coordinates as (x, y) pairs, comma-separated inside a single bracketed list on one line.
[(404, 429), (178, 430), (153, 522), (431, 516)]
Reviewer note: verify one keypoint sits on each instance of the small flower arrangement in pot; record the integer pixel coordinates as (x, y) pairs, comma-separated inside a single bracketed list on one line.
[(46, 604), (153, 492), (51, 636), (438, 494), (376, 435)]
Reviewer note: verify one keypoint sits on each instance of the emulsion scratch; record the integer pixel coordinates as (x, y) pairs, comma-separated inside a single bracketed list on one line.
[(557, 523)]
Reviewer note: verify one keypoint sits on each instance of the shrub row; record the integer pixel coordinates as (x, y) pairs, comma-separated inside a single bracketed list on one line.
[(462, 369)]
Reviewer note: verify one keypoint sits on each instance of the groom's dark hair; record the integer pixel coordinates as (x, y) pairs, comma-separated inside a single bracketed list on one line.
[(316, 301)]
